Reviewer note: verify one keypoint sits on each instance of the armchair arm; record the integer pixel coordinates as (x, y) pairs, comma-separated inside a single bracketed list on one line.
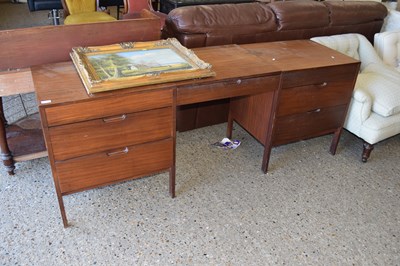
[(384, 70), (361, 104), (359, 110)]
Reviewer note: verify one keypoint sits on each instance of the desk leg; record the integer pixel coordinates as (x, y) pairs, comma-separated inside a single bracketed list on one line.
[(62, 209), (172, 181), (265, 161), (6, 154), (172, 170), (335, 140), (229, 127)]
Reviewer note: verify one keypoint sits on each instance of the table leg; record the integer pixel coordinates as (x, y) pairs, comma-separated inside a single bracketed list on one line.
[(335, 140), (229, 127), (172, 170), (6, 154), (62, 210)]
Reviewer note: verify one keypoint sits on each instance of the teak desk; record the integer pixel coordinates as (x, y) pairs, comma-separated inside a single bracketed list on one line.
[(95, 140)]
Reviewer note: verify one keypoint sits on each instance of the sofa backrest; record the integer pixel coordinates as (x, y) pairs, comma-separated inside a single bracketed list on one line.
[(300, 19), (387, 45), (197, 26), (363, 17)]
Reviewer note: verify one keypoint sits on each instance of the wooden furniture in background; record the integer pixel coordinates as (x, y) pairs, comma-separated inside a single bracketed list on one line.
[(133, 7), (22, 48), (22, 140)]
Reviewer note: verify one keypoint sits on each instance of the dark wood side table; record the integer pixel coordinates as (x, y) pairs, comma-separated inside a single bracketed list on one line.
[(22, 140)]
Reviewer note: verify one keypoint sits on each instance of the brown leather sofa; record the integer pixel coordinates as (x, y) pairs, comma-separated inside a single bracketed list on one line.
[(199, 26)]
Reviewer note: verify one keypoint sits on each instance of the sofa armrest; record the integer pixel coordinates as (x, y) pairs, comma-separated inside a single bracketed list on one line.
[(361, 104)]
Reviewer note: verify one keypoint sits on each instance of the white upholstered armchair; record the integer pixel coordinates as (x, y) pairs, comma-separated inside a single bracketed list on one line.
[(374, 112)]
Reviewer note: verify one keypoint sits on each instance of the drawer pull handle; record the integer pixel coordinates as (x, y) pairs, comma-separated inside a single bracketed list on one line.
[(324, 84), (114, 119), (315, 111), (239, 81), (124, 151)]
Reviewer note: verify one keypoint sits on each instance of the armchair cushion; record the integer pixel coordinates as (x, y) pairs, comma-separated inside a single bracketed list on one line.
[(89, 17), (383, 90), (387, 45), (79, 6)]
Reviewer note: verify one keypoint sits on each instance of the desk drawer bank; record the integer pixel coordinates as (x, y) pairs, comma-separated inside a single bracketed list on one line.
[(104, 138), (312, 100)]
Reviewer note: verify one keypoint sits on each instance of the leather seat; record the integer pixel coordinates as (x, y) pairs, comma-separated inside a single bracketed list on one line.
[(53, 5), (35, 5)]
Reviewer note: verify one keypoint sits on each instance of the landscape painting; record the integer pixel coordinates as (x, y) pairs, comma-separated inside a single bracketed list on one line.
[(137, 64)]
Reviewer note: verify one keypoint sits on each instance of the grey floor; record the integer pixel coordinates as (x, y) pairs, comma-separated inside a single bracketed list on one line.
[(312, 208)]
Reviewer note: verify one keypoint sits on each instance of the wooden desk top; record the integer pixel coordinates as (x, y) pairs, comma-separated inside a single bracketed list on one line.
[(297, 54), (59, 83)]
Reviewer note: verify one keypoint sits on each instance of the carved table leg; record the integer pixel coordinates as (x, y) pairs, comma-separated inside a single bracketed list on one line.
[(366, 151), (6, 154)]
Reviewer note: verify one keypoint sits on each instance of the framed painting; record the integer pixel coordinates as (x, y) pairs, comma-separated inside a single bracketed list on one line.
[(127, 65)]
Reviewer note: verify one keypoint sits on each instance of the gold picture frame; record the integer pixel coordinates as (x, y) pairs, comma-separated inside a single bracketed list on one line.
[(132, 64)]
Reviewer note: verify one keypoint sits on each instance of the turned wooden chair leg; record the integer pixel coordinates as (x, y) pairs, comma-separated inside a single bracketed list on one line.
[(6, 155), (366, 151)]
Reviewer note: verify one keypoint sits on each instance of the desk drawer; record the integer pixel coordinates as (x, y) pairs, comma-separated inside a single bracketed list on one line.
[(319, 76), (227, 89), (311, 97), (110, 106), (114, 166), (97, 135), (310, 124)]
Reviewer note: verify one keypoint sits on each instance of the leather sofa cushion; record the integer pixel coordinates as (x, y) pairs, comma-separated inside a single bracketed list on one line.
[(302, 15), (350, 13), (249, 18)]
